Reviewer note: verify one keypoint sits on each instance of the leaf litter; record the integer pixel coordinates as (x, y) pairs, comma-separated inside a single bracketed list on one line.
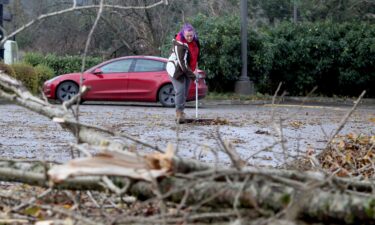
[(350, 155)]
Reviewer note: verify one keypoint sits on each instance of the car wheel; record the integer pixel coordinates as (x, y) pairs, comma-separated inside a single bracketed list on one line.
[(66, 90), (166, 95)]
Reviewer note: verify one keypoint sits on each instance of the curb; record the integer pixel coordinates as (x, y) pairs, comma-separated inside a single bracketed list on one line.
[(290, 100)]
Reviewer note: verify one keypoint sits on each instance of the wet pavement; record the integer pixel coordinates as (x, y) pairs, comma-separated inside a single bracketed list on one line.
[(254, 131)]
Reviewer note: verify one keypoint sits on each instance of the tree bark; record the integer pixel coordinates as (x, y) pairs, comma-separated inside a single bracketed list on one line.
[(320, 205)]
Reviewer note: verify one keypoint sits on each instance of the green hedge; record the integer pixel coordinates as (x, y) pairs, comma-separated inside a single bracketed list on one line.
[(60, 64), (7, 69), (32, 77), (27, 75), (47, 66), (43, 73), (338, 58)]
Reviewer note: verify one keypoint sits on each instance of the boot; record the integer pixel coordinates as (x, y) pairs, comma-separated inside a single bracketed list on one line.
[(180, 117)]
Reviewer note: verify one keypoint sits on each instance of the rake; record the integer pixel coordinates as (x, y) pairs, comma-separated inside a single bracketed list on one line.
[(196, 97), (197, 120)]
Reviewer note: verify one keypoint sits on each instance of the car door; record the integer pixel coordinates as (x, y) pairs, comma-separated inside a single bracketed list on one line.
[(145, 79), (109, 81)]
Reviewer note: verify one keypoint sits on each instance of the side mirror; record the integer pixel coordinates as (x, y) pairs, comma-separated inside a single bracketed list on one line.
[(97, 71)]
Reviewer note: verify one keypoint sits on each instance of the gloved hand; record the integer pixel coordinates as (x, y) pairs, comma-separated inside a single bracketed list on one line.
[(197, 75)]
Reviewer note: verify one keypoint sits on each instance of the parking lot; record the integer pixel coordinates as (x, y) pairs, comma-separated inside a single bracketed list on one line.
[(253, 130)]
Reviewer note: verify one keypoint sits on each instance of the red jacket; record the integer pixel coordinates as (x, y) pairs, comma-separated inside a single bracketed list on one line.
[(193, 51)]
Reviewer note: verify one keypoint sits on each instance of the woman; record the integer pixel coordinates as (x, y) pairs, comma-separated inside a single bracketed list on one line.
[(186, 47)]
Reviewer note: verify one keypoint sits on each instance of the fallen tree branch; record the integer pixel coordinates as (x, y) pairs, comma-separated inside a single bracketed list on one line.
[(267, 194), (342, 123), (39, 179), (293, 175)]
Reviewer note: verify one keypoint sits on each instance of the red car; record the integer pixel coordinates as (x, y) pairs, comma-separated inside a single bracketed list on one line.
[(130, 78)]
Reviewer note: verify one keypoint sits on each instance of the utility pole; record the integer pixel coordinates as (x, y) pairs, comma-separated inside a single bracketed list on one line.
[(295, 12), (2, 2), (1, 32), (244, 85)]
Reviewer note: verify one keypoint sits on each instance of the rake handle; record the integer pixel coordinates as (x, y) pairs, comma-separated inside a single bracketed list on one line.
[(196, 98)]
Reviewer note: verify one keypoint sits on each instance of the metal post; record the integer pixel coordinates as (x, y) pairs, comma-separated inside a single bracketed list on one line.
[(244, 85), (196, 97), (1, 32), (295, 11)]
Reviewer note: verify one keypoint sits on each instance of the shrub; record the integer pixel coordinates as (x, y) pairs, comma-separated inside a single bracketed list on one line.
[(33, 58), (43, 73), (7, 69), (27, 75), (60, 64), (338, 58), (220, 50)]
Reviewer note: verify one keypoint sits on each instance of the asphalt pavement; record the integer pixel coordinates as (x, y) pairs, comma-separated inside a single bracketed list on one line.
[(253, 130)]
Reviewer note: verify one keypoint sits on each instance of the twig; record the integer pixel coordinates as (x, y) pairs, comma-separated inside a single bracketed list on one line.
[(237, 162), (342, 123), (76, 98), (82, 148), (62, 211), (92, 199), (14, 221), (104, 130), (111, 186), (236, 200), (204, 201), (183, 200), (74, 8), (278, 127), (42, 162), (31, 201), (176, 219), (276, 92), (304, 100), (261, 150)]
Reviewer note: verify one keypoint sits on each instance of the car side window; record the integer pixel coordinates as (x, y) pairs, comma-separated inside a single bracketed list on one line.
[(120, 66), (146, 65)]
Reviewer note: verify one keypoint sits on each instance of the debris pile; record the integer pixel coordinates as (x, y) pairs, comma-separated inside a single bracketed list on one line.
[(350, 155)]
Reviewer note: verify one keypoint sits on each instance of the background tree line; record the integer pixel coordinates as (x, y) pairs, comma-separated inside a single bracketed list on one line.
[(304, 43)]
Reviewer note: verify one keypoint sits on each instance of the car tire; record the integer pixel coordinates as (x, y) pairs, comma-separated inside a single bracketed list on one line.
[(166, 95), (66, 90)]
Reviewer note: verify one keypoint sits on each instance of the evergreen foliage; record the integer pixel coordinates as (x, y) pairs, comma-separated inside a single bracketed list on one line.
[(337, 57), (60, 64)]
